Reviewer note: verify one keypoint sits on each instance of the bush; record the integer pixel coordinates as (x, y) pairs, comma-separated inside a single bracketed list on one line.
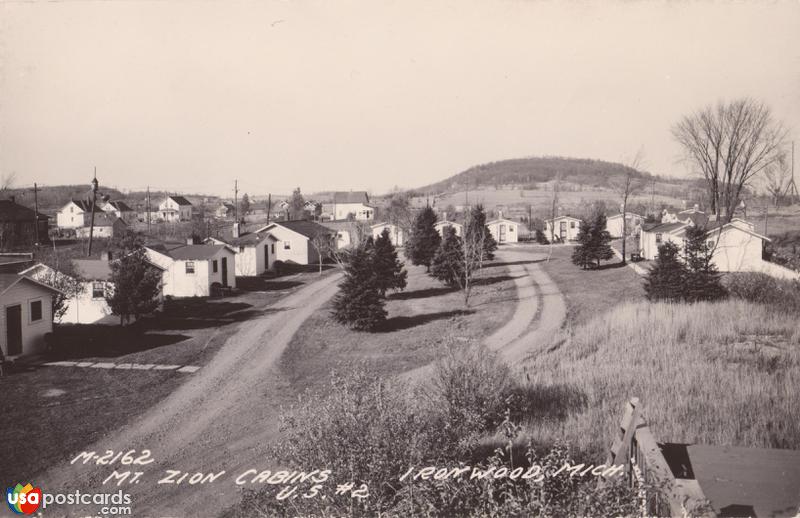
[(765, 289)]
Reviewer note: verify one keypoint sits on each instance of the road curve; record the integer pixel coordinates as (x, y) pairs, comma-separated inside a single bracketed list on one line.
[(222, 418)]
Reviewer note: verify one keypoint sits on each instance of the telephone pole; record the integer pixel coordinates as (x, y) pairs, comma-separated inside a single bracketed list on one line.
[(94, 202), (36, 211), (147, 205), (236, 201), (269, 206)]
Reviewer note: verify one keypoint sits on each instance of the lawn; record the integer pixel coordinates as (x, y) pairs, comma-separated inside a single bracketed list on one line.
[(419, 319), (51, 412), (591, 292)]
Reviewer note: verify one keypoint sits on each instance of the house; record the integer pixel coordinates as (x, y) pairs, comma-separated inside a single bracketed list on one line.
[(255, 252), (26, 315), (121, 210), (19, 225), (296, 240), (352, 204), (396, 234), (191, 270), (346, 232), (614, 224), (503, 230), (562, 228), (736, 246), (74, 214), (441, 225), (225, 210), (105, 225), (175, 208)]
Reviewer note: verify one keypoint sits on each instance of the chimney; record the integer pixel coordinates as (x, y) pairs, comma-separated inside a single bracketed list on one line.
[(237, 229), (190, 240), (499, 214), (696, 207)]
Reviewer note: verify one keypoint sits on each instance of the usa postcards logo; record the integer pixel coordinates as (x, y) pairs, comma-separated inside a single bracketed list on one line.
[(23, 499)]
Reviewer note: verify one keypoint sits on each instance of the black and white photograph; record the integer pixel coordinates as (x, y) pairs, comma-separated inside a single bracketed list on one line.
[(389, 259)]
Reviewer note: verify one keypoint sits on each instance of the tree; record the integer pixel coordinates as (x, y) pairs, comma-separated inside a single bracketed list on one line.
[(702, 280), (296, 205), (730, 144), (323, 243), (359, 304), (593, 242), (398, 210), (244, 205), (134, 282), (476, 230), (424, 239), (625, 188), (777, 178), (666, 277), (389, 270), (448, 262)]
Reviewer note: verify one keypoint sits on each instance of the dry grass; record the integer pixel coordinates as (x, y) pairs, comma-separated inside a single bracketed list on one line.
[(723, 373)]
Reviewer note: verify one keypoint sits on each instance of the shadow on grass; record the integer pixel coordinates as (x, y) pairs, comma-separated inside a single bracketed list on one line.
[(486, 281), (422, 294), (550, 402), (400, 323), (264, 284), (83, 341), (515, 263)]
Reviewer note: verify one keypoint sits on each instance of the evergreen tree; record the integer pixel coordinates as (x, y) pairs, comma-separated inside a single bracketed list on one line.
[(593, 242), (134, 285), (476, 227), (244, 205), (666, 278), (389, 270), (297, 205), (448, 262), (424, 239), (702, 277), (358, 303)]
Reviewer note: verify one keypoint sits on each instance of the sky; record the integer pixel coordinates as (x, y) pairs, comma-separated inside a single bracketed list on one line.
[(186, 96)]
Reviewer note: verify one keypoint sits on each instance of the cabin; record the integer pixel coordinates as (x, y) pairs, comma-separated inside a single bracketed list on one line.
[(75, 214), (255, 252), (121, 210), (26, 315), (632, 221), (441, 225), (346, 233), (296, 240), (503, 230), (396, 234), (191, 270), (225, 210), (175, 208), (351, 205), (106, 225), (562, 228), (19, 225)]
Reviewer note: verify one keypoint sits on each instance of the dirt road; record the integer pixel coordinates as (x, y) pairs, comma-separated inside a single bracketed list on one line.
[(202, 426)]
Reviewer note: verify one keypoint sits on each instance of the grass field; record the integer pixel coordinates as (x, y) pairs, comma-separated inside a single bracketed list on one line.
[(419, 318), (51, 412), (723, 373)]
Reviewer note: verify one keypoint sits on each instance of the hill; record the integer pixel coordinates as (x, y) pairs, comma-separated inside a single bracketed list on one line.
[(527, 173)]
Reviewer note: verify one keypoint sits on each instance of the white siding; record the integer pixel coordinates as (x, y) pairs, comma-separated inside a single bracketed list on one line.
[(84, 309), (299, 250), (396, 235), (23, 293), (573, 227), (440, 226), (508, 229), (71, 216)]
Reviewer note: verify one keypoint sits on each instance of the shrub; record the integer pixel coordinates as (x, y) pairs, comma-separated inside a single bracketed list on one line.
[(765, 289), (359, 303), (665, 279)]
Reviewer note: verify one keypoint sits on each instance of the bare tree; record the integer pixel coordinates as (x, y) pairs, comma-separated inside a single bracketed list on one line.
[(553, 207), (625, 187), (777, 177), (7, 182), (730, 144), (323, 244)]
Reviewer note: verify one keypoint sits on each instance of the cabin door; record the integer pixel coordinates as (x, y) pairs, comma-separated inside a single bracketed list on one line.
[(225, 271), (14, 330), (562, 230), (502, 233), (266, 256)]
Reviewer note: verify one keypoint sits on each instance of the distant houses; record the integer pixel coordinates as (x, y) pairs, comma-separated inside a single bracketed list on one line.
[(296, 240), (349, 205), (504, 230), (121, 210), (225, 210), (106, 225), (191, 270), (75, 214), (255, 251), (396, 234), (26, 316), (614, 224), (562, 228), (175, 208), (19, 224), (440, 226)]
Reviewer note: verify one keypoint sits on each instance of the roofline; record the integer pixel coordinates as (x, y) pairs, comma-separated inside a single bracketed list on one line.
[(29, 279), (563, 217), (748, 231)]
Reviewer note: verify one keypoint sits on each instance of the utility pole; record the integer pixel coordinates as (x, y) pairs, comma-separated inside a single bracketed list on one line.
[(236, 201), (36, 211), (269, 206), (791, 189), (147, 204), (94, 201)]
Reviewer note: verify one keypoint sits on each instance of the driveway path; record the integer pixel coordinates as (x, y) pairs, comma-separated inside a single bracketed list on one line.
[(222, 418)]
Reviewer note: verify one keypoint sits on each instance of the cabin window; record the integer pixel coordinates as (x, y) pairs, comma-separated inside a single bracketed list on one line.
[(710, 244), (287, 245), (214, 266), (98, 290), (190, 267), (36, 310), (571, 224), (241, 248), (272, 248), (510, 228), (658, 238)]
